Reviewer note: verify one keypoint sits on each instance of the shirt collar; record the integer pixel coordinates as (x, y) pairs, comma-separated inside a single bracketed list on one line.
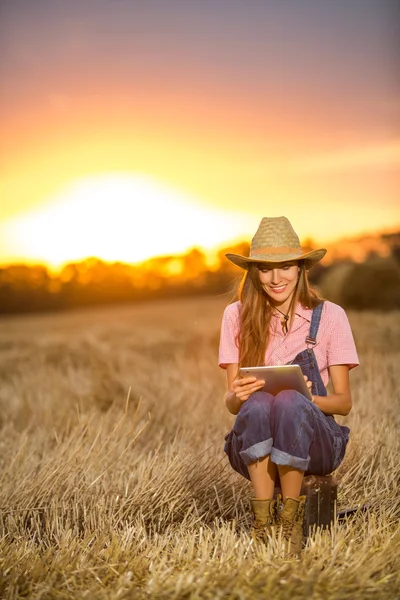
[(301, 311), (305, 313)]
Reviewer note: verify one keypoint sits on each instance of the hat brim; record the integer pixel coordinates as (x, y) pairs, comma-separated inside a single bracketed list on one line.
[(310, 258)]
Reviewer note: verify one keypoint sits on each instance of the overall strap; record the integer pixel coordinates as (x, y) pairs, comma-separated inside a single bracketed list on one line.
[(311, 339)]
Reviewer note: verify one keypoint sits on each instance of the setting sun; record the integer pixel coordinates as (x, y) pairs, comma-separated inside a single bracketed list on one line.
[(118, 217)]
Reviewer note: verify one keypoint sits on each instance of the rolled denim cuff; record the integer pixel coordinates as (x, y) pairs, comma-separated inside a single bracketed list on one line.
[(257, 451), (282, 458)]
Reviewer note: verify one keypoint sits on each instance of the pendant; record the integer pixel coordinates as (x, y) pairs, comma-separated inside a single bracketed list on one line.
[(284, 325)]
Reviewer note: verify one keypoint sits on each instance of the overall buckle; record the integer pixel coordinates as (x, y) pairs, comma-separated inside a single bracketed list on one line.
[(310, 341)]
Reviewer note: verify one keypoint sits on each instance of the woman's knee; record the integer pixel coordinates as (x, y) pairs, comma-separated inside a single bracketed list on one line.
[(290, 402), (257, 405)]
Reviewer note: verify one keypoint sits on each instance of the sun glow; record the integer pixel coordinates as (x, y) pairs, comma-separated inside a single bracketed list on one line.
[(118, 217)]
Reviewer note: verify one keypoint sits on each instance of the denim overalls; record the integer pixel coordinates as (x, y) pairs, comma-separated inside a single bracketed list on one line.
[(288, 427)]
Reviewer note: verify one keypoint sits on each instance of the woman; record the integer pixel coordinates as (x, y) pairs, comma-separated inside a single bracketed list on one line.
[(279, 319)]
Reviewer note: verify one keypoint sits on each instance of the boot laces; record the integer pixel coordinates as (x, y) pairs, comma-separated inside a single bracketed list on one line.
[(261, 524), (300, 512), (288, 524), (287, 528)]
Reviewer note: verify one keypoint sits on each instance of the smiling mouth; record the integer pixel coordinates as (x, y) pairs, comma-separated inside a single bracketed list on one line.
[(279, 289)]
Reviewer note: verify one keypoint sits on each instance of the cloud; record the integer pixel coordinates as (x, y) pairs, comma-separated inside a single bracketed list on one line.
[(377, 156)]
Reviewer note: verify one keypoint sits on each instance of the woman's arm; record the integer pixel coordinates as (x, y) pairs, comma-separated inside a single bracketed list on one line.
[(239, 389), (338, 403)]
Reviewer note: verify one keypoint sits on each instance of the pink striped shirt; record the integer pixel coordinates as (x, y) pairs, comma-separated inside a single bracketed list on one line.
[(335, 343)]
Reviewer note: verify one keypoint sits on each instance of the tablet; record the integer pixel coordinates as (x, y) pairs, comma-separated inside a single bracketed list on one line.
[(279, 378)]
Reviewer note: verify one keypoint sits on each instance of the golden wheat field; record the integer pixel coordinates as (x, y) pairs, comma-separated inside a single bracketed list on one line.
[(114, 484)]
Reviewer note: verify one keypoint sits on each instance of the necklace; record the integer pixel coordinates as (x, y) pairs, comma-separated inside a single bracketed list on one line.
[(285, 328)]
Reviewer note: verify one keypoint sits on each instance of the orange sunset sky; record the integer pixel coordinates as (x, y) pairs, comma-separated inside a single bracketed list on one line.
[(134, 128)]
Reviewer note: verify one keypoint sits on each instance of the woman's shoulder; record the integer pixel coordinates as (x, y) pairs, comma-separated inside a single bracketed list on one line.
[(333, 313), (233, 310), (231, 319), (336, 332)]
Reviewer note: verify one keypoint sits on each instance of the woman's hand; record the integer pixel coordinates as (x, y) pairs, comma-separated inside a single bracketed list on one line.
[(246, 386), (309, 385)]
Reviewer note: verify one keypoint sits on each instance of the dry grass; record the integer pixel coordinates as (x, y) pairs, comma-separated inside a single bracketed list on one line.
[(110, 494)]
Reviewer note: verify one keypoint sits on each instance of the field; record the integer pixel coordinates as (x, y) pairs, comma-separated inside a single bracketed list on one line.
[(113, 481)]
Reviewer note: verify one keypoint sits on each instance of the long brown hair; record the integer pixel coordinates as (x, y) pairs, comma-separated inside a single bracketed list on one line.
[(256, 312)]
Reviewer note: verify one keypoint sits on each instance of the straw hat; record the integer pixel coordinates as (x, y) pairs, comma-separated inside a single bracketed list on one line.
[(276, 242)]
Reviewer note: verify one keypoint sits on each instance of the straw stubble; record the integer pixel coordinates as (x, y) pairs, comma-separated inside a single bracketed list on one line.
[(113, 483)]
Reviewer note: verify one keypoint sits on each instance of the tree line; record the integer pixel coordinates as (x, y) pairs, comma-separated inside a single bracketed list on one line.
[(372, 284)]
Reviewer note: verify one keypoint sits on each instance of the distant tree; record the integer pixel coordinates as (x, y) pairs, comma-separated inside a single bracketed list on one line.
[(373, 285), (396, 253), (393, 241), (194, 264), (242, 248), (25, 288), (317, 273), (308, 244), (331, 282)]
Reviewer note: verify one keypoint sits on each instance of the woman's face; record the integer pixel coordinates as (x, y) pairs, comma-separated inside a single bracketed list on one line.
[(279, 281)]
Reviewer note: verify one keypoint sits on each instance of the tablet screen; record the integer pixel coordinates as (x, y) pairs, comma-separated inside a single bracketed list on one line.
[(279, 378)]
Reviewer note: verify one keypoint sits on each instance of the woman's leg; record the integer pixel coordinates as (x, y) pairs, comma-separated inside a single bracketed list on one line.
[(291, 481), (262, 475), (293, 431), (251, 442), (292, 426), (305, 439)]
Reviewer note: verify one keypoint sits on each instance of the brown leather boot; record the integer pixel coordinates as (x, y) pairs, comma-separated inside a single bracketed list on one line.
[(265, 514), (290, 523)]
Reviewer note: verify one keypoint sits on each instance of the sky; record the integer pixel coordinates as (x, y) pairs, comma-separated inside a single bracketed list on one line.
[(133, 128)]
